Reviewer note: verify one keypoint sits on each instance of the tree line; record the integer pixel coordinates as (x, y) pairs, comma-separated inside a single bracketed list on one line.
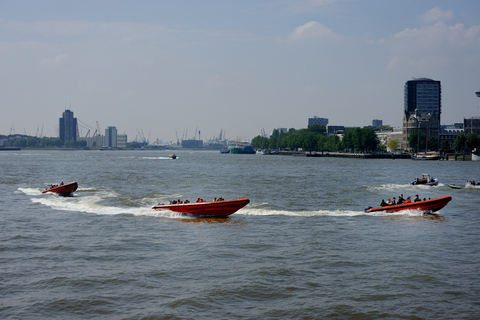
[(462, 143), (314, 138), (25, 141)]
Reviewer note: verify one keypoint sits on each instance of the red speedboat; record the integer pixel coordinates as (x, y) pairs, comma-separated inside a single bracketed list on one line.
[(427, 206), (219, 208), (63, 189)]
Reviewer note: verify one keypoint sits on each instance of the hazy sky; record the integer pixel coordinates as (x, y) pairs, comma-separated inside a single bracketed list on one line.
[(163, 67)]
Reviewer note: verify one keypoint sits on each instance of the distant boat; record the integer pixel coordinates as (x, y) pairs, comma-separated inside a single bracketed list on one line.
[(469, 184), (425, 180), (172, 156), (9, 149), (453, 186), (426, 156), (476, 155)]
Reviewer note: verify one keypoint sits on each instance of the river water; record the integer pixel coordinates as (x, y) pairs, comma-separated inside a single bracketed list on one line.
[(302, 249)]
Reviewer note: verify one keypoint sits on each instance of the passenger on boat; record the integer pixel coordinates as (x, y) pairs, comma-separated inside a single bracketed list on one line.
[(389, 202), (401, 199), (62, 183), (417, 198), (383, 204), (394, 201), (408, 200)]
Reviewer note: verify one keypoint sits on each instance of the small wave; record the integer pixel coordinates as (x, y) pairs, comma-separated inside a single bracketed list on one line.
[(30, 191), (156, 158), (333, 213), (92, 205), (388, 187)]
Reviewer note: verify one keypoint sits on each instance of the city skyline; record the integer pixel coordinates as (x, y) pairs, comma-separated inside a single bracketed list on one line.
[(171, 69)]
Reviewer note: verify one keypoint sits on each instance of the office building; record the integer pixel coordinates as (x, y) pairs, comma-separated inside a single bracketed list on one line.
[(121, 141), (376, 123), (68, 127), (111, 137), (423, 95), (422, 108), (319, 121)]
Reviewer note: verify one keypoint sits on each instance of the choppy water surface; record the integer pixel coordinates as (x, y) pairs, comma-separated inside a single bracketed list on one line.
[(303, 248)]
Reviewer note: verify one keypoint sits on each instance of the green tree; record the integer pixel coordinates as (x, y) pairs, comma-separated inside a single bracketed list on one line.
[(317, 128), (459, 144), (393, 144), (369, 140), (309, 142), (417, 140), (20, 143), (384, 127), (445, 145), (31, 142), (360, 140), (473, 141)]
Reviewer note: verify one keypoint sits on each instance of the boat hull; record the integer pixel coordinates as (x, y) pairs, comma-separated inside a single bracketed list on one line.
[(64, 190), (221, 208), (431, 183), (455, 187), (428, 206), (476, 155)]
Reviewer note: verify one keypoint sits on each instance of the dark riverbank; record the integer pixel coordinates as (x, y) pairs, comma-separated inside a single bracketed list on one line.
[(343, 155)]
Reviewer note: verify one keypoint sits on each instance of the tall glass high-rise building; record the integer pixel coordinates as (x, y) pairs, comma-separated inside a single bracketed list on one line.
[(111, 137), (68, 127), (422, 110), (423, 95)]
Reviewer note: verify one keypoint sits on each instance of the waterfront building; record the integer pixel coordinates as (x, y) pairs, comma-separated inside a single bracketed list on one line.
[(332, 130), (68, 127), (422, 108), (449, 133), (471, 125), (192, 144), (121, 141), (427, 123), (423, 95), (319, 121), (376, 123), (111, 137), (385, 136)]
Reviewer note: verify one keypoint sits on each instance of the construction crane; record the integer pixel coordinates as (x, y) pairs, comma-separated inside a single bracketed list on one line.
[(98, 129), (98, 136)]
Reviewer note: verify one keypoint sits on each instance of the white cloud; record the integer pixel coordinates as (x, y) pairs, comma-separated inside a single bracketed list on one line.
[(433, 45), (436, 14), (312, 31)]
